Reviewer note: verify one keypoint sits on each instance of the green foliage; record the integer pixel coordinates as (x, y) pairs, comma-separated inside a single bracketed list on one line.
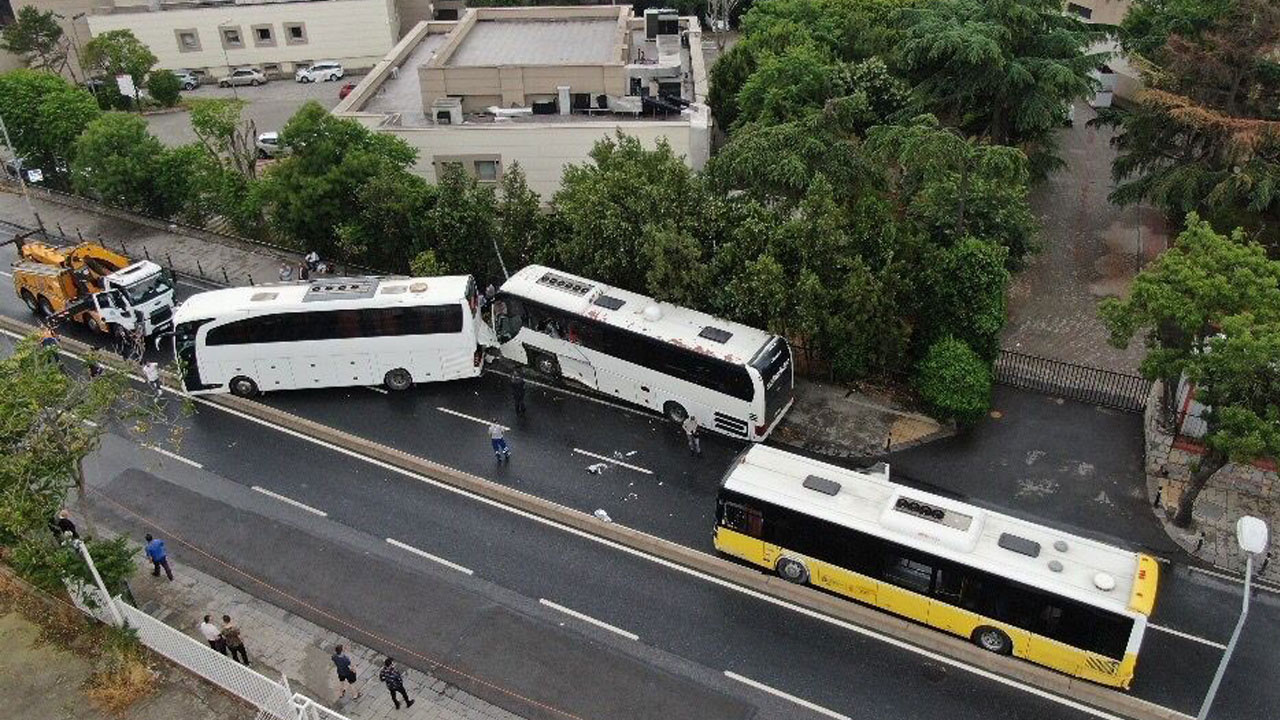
[(787, 86), (464, 225), (1239, 382), (521, 221), (955, 381), (963, 295), (425, 264), (120, 163), (44, 114), (1149, 23), (390, 221), (118, 52), (165, 87), (37, 38)]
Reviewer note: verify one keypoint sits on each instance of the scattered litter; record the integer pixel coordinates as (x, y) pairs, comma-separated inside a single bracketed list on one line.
[(633, 452), (602, 515), (631, 496), (597, 468), (659, 483), (630, 484)]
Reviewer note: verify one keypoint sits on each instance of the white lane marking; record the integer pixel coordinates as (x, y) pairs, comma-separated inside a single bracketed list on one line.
[(589, 619), (1237, 580), (291, 501), (6, 274), (565, 391), (429, 556), (886, 639), (785, 696), (175, 456), (611, 460), (1188, 636), (375, 389), (472, 418)]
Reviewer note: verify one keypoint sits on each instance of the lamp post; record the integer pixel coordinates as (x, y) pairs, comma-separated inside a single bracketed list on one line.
[(22, 171), (227, 58), (75, 40), (1251, 534)]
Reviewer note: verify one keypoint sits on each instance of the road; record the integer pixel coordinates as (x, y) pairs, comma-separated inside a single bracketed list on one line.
[(494, 623)]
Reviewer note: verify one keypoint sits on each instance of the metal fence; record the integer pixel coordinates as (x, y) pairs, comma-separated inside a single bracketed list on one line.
[(1076, 382)]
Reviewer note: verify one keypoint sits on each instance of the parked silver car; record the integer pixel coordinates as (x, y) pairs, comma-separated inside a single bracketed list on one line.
[(325, 70), (189, 80), (269, 146), (243, 76)]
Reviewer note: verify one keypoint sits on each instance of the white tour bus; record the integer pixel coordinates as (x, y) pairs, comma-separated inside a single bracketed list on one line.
[(329, 332), (733, 379)]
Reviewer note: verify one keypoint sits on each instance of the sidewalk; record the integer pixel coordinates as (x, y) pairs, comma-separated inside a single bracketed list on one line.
[(281, 643)]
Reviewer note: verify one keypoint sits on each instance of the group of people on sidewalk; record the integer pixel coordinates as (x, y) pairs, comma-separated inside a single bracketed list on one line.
[(389, 675), (225, 639), (311, 265)]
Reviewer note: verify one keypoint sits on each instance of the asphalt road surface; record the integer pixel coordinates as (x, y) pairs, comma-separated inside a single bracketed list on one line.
[(503, 622)]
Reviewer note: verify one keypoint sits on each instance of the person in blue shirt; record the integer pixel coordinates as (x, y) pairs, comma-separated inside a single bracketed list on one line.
[(159, 558)]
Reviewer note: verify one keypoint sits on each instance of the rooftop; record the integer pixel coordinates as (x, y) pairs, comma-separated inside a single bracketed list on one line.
[(302, 295), (113, 7), (586, 41)]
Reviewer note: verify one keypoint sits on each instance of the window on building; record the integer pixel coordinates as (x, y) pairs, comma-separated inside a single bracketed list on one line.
[(264, 33), (1084, 12), (487, 170), (188, 40), (295, 33), (231, 38), (263, 36)]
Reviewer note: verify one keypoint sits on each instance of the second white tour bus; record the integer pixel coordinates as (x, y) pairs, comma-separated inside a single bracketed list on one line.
[(329, 332), (733, 379)]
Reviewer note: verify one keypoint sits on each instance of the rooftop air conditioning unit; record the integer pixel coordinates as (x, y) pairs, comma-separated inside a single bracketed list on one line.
[(446, 111)]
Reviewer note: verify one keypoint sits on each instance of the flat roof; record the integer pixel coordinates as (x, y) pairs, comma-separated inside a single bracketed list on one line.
[(402, 93), (323, 293), (536, 42), (869, 502), (676, 325)]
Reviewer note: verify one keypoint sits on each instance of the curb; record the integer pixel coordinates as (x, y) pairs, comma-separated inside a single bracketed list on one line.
[(870, 620)]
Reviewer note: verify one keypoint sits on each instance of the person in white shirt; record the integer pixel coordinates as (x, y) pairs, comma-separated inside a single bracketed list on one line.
[(500, 448), (213, 635), (690, 427), (151, 373)]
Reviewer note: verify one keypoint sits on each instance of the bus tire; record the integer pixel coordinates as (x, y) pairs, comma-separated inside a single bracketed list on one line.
[(793, 571), (398, 379), (675, 411), (244, 387), (30, 301), (545, 364), (992, 640)]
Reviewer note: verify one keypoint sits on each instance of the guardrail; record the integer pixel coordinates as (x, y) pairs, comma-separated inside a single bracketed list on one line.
[(1076, 382)]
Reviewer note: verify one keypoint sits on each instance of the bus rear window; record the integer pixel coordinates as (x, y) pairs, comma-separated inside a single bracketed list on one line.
[(773, 359)]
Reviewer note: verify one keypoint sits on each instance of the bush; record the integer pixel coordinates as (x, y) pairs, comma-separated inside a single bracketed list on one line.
[(164, 86), (954, 381)]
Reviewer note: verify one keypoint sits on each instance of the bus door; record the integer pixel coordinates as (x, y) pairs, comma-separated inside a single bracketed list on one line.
[(574, 362)]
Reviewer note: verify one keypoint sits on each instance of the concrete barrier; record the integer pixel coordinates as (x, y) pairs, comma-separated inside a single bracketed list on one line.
[(868, 619)]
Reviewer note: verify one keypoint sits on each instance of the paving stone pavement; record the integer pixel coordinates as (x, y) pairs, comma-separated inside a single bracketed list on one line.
[(280, 643)]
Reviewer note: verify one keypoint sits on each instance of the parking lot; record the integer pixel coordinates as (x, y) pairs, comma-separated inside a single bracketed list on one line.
[(269, 106)]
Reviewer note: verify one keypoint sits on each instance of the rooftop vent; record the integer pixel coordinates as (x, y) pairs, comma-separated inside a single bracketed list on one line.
[(340, 290), (652, 313), (263, 296), (393, 289), (715, 334), (609, 301), (933, 513), (1020, 545), (1104, 582), (567, 284), (822, 485)]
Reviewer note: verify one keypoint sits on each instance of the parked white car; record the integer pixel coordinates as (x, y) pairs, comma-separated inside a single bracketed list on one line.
[(243, 76), (269, 146), (325, 70)]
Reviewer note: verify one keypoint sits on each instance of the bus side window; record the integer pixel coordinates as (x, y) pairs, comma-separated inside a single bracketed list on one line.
[(907, 573), (747, 521), (958, 586)]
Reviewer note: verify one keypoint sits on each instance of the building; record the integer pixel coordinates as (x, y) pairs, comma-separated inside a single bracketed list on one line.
[(538, 86), (72, 17), (1100, 12), (275, 36), (1124, 79)]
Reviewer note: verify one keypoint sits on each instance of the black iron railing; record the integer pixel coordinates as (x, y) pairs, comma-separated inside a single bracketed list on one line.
[(1075, 382)]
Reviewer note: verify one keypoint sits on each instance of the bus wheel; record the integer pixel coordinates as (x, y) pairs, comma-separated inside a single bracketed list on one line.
[(793, 571), (398, 379), (993, 640), (546, 365), (242, 386), (675, 411), (30, 300)]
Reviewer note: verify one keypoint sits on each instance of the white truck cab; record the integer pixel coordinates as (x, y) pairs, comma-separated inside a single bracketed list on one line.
[(138, 295)]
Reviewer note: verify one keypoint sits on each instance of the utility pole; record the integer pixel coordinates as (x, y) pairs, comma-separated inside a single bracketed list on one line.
[(22, 182), (102, 587)]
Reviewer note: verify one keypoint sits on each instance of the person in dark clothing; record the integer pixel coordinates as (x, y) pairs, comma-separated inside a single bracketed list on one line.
[(394, 681), (62, 525), (517, 391), (159, 558), (234, 643), (345, 673)]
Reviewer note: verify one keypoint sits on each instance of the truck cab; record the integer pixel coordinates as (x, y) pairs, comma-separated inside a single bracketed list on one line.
[(140, 294)]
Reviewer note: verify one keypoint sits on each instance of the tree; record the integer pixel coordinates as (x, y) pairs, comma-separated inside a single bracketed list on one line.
[(1180, 299), (119, 52), (1001, 70), (720, 13), (37, 38), (165, 87), (963, 295), (391, 221), (225, 134), (521, 221), (464, 225), (120, 163), (954, 381), (44, 114), (787, 85)]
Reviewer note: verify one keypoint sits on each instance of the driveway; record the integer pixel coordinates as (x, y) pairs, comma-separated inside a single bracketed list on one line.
[(269, 106)]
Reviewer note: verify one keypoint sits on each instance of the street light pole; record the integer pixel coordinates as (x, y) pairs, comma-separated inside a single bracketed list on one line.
[(22, 171), (1251, 534), (227, 58), (102, 587)]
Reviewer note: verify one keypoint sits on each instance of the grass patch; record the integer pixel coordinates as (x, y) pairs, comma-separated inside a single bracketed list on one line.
[(121, 676)]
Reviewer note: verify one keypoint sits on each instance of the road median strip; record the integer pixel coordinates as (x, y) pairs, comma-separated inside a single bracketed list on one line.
[(920, 639)]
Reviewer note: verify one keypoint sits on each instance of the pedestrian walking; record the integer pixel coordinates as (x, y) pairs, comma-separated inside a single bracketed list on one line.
[(690, 426), (151, 373), (312, 260), (63, 526), (345, 673), (48, 338), (235, 644), (159, 558), (394, 681), (213, 635), (94, 366), (517, 391), (286, 272), (500, 448)]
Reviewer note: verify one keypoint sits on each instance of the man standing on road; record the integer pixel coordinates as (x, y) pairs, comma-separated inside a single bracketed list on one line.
[(286, 272), (500, 448), (231, 636), (345, 673), (213, 635), (517, 391), (394, 681), (159, 558), (690, 426), (151, 373)]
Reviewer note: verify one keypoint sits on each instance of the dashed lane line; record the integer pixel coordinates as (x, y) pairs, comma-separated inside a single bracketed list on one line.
[(1187, 636), (173, 455), (589, 619), (291, 501), (429, 556), (472, 418), (376, 389), (785, 696), (1237, 580), (637, 468)]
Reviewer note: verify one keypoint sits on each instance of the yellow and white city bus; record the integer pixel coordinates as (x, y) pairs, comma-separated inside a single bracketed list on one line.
[(1012, 587)]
